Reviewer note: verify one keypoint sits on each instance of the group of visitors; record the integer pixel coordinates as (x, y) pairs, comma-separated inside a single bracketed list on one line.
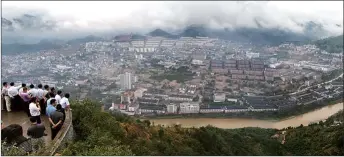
[(36, 102)]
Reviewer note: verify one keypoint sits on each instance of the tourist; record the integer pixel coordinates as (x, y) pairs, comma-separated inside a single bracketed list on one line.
[(13, 135), (41, 98), (58, 96), (56, 121), (51, 106), (35, 109), (4, 93), (65, 102), (46, 92), (53, 91), (33, 91), (26, 101), (36, 132), (51, 96), (21, 88), (15, 98)]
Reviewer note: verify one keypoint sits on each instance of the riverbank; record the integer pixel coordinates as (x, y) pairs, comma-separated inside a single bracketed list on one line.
[(268, 115), (232, 123)]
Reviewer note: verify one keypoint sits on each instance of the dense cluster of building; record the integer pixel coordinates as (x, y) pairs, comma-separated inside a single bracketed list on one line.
[(215, 72)]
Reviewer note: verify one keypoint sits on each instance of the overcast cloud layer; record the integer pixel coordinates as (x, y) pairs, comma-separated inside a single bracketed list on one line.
[(101, 16)]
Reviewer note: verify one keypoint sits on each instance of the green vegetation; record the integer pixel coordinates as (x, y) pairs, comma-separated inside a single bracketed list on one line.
[(331, 45), (101, 133), (322, 139), (180, 74), (118, 134)]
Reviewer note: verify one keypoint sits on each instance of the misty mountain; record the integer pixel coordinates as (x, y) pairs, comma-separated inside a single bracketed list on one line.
[(271, 36), (159, 33), (29, 32), (28, 22), (331, 44), (196, 30), (45, 44), (17, 48), (90, 38)]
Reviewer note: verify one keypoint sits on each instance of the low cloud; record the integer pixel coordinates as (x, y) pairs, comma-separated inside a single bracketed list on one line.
[(144, 16)]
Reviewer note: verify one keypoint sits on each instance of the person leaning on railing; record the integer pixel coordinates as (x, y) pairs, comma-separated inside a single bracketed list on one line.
[(56, 120)]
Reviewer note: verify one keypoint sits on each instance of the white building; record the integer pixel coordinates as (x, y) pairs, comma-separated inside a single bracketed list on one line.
[(252, 55), (232, 100), (197, 62), (172, 108), (189, 107), (125, 80), (219, 97)]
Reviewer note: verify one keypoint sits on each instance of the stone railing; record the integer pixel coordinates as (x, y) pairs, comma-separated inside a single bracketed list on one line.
[(61, 140)]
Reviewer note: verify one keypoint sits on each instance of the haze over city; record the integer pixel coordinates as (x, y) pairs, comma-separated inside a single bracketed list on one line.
[(144, 16)]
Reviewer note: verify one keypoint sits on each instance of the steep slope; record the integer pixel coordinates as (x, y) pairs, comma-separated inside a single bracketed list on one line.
[(331, 44), (123, 135)]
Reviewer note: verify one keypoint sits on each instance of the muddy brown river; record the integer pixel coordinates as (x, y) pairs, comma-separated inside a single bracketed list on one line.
[(230, 123)]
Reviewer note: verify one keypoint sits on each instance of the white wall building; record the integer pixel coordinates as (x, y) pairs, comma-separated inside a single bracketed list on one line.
[(189, 107), (219, 97), (252, 55), (172, 108), (125, 80)]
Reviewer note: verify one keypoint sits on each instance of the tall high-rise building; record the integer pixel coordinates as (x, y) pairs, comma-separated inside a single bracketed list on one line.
[(125, 80)]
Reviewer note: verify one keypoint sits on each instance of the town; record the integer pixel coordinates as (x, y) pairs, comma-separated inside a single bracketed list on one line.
[(153, 76)]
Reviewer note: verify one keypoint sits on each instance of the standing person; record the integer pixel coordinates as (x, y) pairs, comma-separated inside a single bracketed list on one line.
[(36, 132), (33, 91), (35, 109), (58, 96), (65, 102), (15, 98), (22, 88), (4, 93), (26, 101), (56, 121), (51, 107), (53, 91), (51, 96), (41, 98), (46, 92)]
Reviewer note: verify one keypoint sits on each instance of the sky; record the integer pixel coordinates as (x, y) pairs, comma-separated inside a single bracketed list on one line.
[(107, 15)]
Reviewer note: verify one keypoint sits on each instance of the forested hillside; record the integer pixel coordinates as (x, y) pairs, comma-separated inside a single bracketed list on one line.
[(331, 44), (101, 133)]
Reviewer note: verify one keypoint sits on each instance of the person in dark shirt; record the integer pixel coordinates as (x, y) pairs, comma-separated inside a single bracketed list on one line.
[(36, 132), (56, 121), (13, 135), (52, 92)]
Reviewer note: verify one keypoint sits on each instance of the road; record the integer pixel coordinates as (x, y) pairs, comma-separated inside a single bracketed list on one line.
[(341, 75)]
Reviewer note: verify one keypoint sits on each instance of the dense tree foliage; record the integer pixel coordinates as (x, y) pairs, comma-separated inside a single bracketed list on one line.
[(331, 45), (101, 133)]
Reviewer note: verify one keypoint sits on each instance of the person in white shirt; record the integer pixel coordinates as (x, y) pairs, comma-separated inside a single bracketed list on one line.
[(15, 98), (58, 96), (33, 91), (21, 88), (41, 98), (4, 93), (35, 109), (65, 102)]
